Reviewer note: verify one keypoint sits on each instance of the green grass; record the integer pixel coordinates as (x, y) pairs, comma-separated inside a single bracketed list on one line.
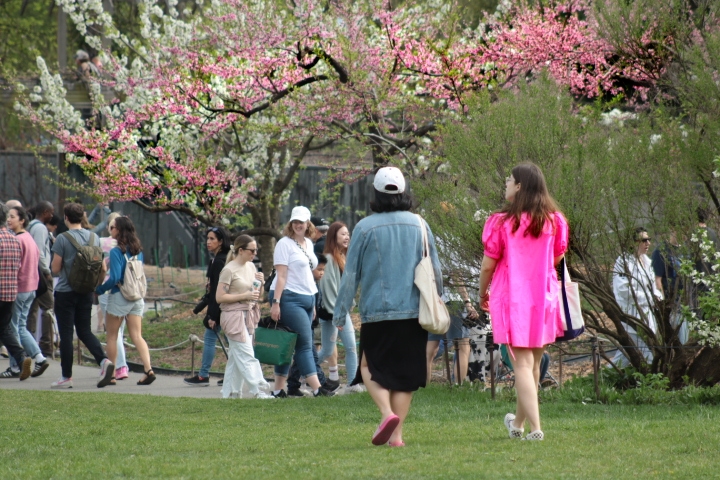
[(449, 434)]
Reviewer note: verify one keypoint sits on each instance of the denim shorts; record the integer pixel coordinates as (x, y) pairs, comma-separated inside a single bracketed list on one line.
[(456, 330), (118, 306), (103, 300)]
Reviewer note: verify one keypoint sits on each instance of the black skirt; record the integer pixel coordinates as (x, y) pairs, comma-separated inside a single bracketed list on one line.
[(395, 354)]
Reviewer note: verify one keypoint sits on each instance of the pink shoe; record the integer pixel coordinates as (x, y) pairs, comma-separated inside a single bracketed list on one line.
[(121, 373), (385, 430)]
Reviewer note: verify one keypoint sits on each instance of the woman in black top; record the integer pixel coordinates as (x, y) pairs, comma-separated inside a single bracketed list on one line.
[(218, 244)]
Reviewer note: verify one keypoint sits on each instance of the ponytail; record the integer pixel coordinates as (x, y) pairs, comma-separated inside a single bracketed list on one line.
[(240, 242)]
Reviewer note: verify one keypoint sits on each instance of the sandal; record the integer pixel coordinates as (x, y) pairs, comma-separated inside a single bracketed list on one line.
[(112, 381), (513, 431), (149, 378)]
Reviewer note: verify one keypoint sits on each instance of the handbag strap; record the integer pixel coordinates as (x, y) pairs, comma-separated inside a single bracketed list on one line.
[(426, 246), (564, 274), (304, 251)]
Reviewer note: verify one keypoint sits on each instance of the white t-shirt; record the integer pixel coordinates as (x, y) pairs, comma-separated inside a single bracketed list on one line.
[(299, 278)]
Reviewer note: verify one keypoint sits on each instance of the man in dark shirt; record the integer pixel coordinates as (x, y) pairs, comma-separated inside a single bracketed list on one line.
[(666, 264)]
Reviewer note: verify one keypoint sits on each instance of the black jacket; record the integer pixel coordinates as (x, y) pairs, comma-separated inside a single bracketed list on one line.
[(213, 275)]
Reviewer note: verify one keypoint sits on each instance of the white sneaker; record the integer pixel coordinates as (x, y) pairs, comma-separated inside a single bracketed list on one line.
[(354, 389), (263, 395), (62, 383), (107, 373)]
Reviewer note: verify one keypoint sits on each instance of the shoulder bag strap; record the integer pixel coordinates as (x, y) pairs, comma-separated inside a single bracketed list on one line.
[(426, 246)]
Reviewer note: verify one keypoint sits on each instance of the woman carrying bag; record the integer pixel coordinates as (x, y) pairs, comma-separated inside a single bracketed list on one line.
[(292, 295), (237, 294), (128, 245), (385, 249), (523, 243)]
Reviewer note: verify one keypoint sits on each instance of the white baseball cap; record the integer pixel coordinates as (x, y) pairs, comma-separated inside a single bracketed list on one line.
[(301, 214), (389, 180)]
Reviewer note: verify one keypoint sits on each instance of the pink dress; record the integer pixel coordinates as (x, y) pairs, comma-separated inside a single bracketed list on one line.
[(525, 292)]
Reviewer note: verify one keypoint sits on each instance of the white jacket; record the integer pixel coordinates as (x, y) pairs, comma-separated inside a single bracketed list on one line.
[(634, 287)]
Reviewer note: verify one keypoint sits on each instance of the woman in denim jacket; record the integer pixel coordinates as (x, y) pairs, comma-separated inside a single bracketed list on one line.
[(381, 260)]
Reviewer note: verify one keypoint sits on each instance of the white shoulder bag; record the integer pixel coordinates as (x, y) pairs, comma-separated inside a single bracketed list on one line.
[(433, 316)]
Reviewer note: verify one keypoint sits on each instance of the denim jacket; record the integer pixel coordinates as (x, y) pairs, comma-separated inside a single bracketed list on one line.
[(384, 250)]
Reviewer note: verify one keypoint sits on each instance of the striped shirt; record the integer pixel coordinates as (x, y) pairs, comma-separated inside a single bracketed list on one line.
[(10, 255)]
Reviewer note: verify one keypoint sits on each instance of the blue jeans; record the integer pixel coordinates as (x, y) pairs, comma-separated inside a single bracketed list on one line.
[(329, 339), (293, 381), (210, 340), (296, 311), (20, 311)]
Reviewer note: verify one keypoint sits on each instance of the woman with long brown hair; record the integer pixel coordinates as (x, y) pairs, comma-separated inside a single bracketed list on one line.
[(128, 245), (523, 243), (336, 246)]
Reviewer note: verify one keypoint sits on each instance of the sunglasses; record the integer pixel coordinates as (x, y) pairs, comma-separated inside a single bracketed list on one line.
[(253, 250), (645, 240)]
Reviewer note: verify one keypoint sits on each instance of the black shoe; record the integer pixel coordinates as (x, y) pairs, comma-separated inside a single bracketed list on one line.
[(9, 374), (331, 385), (40, 367), (220, 382), (281, 394), (294, 392), (197, 381), (324, 392)]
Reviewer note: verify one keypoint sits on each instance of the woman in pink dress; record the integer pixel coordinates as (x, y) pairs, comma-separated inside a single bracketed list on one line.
[(522, 244)]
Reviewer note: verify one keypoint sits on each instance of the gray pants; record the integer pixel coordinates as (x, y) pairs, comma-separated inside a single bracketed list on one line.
[(46, 302)]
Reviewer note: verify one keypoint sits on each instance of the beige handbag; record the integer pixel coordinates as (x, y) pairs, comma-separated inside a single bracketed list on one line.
[(433, 316)]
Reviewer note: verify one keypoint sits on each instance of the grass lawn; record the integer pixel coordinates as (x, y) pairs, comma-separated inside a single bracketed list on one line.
[(449, 434)]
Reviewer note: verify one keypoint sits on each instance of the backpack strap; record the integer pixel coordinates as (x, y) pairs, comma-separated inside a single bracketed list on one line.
[(72, 240), (34, 222), (75, 242), (91, 241)]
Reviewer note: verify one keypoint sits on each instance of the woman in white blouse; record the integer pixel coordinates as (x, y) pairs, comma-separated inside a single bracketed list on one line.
[(636, 292)]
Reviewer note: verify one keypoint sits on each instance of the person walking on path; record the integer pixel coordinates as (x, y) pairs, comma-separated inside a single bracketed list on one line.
[(73, 309), (218, 244), (292, 294), (28, 280), (337, 241), (128, 246), (10, 255), (384, 251), (522, 245), (43, 214), (237, 294)]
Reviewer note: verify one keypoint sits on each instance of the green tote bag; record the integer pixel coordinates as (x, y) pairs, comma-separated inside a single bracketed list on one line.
[(274, 346)]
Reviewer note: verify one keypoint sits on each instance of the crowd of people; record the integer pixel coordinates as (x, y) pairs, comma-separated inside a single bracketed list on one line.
[(314, 287), (36, 273)]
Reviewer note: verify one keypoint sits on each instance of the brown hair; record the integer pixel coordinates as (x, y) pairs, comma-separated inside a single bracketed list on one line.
[(532, 198), (241, 242), (333, 248), (74, 212), (309, 233), (126, 237)]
